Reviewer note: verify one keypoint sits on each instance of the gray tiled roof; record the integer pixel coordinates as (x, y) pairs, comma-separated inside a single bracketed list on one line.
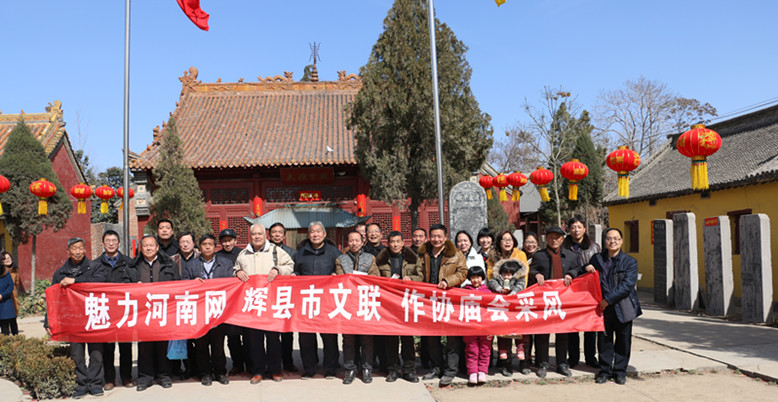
[(748, 154)]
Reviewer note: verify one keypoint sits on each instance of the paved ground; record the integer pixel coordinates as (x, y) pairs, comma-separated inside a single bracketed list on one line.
[(664, 341)]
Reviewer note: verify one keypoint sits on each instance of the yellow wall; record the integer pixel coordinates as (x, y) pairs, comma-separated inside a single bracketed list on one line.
[(760, 198)]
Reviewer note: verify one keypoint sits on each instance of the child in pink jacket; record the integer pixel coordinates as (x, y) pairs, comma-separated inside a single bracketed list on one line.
[(478, 349)]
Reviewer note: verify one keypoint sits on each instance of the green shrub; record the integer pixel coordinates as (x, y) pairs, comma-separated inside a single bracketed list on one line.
[(30, 304), (37, 366)]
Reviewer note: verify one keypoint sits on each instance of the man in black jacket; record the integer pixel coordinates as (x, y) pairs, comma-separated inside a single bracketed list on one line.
[(153, 266), (584, 248), (317, 256), (239, 351), (209, 265), (620, 305), (278, 237), (553, 262), (77, 269), (118, 268), (166, 237)]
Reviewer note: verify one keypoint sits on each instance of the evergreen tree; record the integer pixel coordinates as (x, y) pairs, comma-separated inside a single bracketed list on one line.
[(24, 161), (177, 195), (392, 115), (497, 218), (114, 178)]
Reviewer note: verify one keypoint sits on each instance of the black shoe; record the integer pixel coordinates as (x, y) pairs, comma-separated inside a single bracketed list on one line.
[(524, 367), (432, 375), (348, 378), (80, 394), (236, 371), (96, 391), (411, 377), (446, 380), (505, 367), (330, 374), (222, 379), (542, 370), (166, 383), (620, 380), (601, 379), (593, 363), (206, 380), (391, 376), (290, 368), (572, 363), (142, 387), (308, 375), (564, 370), (367, 376)]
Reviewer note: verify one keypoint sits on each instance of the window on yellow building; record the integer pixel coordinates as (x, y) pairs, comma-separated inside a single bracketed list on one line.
[(632, 236), (734, 224)]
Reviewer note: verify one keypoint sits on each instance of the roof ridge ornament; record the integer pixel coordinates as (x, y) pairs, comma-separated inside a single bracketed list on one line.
[(189, 80)]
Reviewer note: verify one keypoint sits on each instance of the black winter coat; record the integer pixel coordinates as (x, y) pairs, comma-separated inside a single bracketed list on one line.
[(167, 271), (621, 283), (195, 268), (123, 272), (541, 264), (310, 261)]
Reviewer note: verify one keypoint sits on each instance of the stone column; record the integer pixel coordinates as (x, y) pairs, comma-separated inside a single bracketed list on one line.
[(467, 209), (756, 267), (719, 284), (519, 235), (595, 234), (663, 261), (686, 285)]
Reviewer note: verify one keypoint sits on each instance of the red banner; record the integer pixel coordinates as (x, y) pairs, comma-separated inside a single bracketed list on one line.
[(345, 304)]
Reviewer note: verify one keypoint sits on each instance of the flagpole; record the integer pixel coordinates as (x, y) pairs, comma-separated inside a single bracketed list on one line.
[(126, 178), (436, 103)]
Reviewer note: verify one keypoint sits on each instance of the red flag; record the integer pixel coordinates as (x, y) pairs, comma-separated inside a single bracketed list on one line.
[(192, 10)]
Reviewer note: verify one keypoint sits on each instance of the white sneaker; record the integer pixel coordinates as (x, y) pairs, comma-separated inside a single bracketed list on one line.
[(473, 378), (481, 378)]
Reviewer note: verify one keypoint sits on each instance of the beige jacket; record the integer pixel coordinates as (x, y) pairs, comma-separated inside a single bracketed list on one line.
[(262, 261)]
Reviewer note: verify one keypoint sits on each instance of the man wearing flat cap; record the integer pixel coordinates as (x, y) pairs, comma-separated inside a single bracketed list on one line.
[(553, 262), (77, 269), (238, 346)]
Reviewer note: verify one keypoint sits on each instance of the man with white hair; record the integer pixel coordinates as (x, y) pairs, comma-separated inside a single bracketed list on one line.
[(316, 256), (262, 257)]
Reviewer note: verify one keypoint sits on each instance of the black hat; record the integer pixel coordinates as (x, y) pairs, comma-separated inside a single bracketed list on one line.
[(555, 229), (227, 232)]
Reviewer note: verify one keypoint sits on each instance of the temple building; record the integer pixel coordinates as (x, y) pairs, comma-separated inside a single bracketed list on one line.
[(276, 150)]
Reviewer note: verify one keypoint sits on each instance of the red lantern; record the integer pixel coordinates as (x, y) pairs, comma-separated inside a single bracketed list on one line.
[(43, 189), (5, 185), (361, 205), (104, 193), (541, 177), (699, 143), (81, 192), (501, 181), (516, 179), (574, 171), (487, 182), (623, 161), (120, 193), (256, 205)]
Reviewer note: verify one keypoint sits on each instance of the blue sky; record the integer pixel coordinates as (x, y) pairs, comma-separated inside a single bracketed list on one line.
[(721, 52)]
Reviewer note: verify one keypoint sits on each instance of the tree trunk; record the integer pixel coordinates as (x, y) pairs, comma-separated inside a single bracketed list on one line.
[(413, 208), (34, 244)]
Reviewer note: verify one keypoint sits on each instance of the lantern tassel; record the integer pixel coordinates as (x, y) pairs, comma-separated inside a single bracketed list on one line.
[(104, 207), (516, 194), (81, 206), (699, 172), (503, 195), (544, 194), (573, 192), (488, 194), (42, 207), (1, 208), (624, 184)]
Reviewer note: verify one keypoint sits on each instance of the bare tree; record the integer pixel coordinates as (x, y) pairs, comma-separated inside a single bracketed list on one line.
[(514, 153), (643, 112)]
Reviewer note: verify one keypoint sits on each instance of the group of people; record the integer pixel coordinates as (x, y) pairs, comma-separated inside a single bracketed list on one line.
[(499, 264)]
